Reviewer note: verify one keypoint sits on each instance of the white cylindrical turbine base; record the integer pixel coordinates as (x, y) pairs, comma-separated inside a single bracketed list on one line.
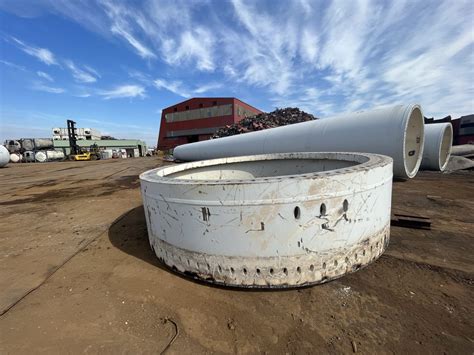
[(275, 220)]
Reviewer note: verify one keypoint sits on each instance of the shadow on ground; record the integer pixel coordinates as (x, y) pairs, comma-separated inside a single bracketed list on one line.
[(129, 234)]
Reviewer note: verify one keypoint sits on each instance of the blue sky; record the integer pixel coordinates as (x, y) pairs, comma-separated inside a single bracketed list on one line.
[(113, 65)]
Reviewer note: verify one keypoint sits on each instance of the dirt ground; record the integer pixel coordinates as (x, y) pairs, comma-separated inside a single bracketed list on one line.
[(77, 276)]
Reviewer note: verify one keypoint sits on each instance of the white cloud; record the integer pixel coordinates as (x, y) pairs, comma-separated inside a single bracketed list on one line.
[(173, 86), (93, 71), (53, 90), (43, 75), (328, 56), (123, 92), (207, 87), (13, 65), (80, 75), (196, 44), (177, 87), (141, 49), (43, 54)]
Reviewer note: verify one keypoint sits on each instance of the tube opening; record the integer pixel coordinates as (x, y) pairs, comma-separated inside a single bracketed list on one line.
[(414, 140), (445, 148)]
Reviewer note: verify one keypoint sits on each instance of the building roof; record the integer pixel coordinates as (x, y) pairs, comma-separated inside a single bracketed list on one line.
[(209, 98), (101, 143)]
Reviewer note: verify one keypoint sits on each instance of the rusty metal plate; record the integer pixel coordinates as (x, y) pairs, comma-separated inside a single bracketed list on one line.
[(270, 221)]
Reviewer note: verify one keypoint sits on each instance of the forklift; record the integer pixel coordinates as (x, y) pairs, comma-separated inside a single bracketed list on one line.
[(78, 153)]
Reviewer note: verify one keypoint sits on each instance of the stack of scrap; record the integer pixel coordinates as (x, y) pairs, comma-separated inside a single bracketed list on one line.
[(277, 118)]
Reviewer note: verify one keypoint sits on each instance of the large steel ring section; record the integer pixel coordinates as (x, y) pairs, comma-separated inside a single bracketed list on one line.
[(274, 220)]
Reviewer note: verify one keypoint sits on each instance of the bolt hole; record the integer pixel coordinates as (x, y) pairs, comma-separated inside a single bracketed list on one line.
[(232, 270), (258, 271), (245, 271), (345, 205), (356, 256), (297, 212), (271, 271), (298, 270), (335, 262), (322, 209), (311, 267), (220, 268), (363, 252), (299, 244), (285, 271), (324, 265)]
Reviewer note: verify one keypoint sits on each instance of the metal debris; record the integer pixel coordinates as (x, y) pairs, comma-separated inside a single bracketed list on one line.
[(277, 118), (410, 221)]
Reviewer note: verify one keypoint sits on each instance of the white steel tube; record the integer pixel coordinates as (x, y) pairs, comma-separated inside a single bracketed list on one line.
[(438, 142), (396, 131)]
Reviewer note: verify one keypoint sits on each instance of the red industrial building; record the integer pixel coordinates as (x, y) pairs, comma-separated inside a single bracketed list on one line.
[(197, 119)]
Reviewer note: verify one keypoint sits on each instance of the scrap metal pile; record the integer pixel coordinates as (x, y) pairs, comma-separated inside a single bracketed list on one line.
[(277, 118)]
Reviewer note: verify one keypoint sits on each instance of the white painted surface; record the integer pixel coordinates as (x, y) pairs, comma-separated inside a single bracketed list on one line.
[(41, 157), (48, 155), (4, 156), (15, 157), (273, 220), (394, 131), (438, 142), (55, 155)]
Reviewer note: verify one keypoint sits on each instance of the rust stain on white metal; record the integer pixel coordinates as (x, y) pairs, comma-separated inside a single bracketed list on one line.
[(276, 220)]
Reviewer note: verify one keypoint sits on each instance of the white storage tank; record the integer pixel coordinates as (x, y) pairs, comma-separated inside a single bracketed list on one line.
[(13, 146), (48, 155), (106, 154), (41, 156), (43, 143), (29, 156), (57, 138), (55, 155), (15, 157), (56, 131), (27, 144), (4, 156)]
